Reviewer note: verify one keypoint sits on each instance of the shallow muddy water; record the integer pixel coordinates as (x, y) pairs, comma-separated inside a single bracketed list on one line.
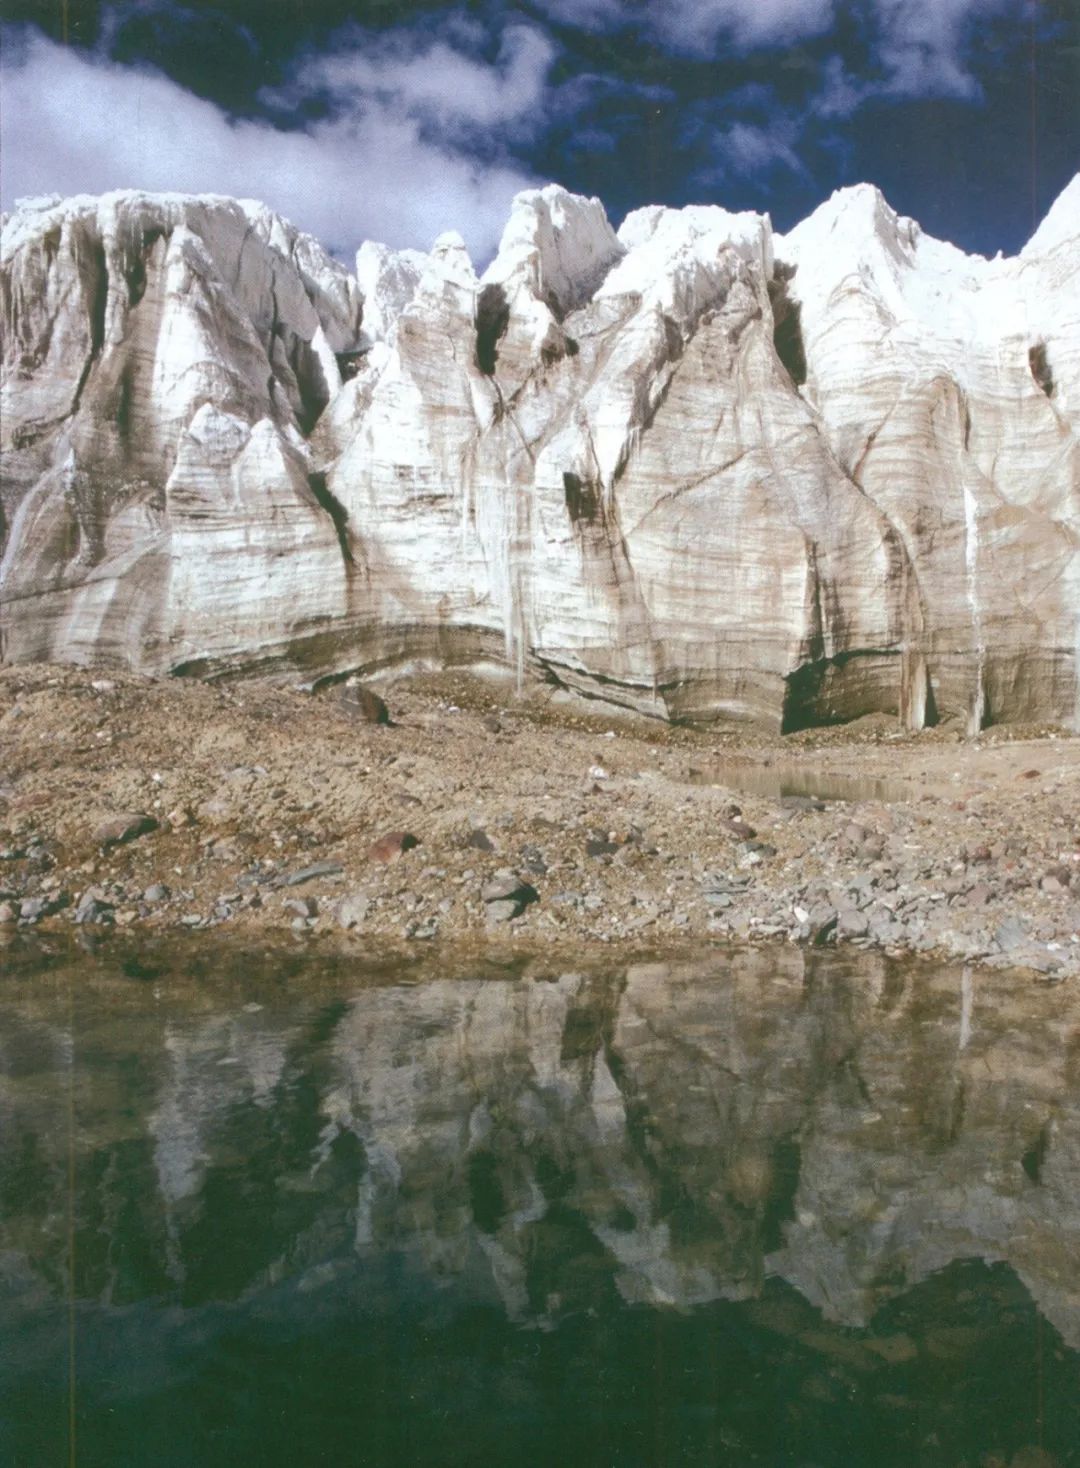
[(776, 1208), (774, 782)]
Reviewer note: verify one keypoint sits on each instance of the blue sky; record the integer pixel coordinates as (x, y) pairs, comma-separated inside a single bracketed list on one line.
[(394, 121)]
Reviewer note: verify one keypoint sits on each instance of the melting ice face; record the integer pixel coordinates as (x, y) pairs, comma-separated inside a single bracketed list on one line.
[(977, 715), (710, 1206)]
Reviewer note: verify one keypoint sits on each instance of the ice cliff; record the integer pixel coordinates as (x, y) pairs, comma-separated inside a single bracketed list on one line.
[(691, 466)]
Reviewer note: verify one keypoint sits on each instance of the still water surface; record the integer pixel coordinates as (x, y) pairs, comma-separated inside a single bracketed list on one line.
[(763, 1208), (775, 781)]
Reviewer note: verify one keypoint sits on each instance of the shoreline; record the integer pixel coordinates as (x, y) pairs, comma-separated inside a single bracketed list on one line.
[(156, 806)]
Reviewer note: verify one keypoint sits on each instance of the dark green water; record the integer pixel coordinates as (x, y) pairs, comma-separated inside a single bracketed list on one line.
[(759, 1209)]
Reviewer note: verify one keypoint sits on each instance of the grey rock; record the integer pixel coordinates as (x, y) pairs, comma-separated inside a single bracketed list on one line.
[(502, 910), (351, 912), (885, 929), (304, 907), (94, 906), (315, 870), (128, 826), (422, 930), (532, 859), (507, 885), (851, 923), (720, 882), (364, 702), (507, 889), (1011, 935), (157, 892), (801, 802), (736, 826)]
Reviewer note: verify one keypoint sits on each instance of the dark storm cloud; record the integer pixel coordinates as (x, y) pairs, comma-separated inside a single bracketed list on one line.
[(395, 120)]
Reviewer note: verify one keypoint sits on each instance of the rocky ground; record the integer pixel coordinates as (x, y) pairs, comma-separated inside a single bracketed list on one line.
[(477, 815)]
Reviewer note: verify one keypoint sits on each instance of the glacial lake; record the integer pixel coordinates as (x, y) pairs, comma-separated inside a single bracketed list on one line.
[(758, 1207)]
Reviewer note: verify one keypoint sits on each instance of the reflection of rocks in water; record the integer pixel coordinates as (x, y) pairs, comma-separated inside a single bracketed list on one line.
[(668, 1134)]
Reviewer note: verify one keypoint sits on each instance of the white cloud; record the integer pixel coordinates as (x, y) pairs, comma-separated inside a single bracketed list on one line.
[(748, 149), (437, 83), (71, 124), (699, 27), (840, 93), (921, 43)]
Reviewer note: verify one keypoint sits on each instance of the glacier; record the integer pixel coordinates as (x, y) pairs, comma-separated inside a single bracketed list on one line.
[(691, 466)]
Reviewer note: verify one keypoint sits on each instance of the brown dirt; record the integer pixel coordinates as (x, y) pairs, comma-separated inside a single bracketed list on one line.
[(250, 783)]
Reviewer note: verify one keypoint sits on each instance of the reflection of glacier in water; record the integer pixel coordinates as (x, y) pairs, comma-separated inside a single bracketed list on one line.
[(784, 1147)]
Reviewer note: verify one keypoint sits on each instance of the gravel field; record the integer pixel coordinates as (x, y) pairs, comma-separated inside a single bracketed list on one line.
[(475, 814)]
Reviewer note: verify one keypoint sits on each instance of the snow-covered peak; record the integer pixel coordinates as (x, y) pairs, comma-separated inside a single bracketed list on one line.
[(393, 281), (558, 245), (126, 222), (680, 259), (925, 287), (453, 260), (656, 238), (388, 281), (1062, 222), (854, 228)]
